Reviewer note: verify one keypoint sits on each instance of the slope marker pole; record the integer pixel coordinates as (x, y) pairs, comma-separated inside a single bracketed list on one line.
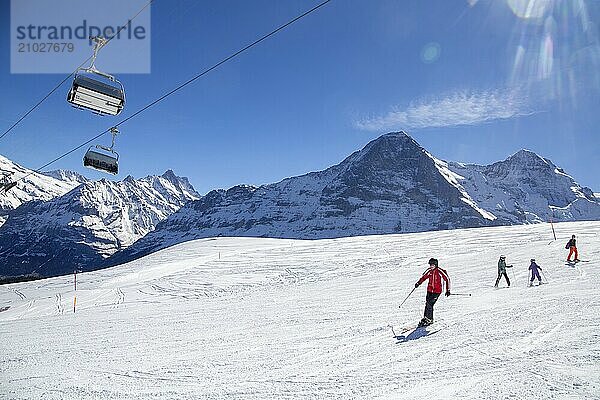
[(75, 289), (552, 224)]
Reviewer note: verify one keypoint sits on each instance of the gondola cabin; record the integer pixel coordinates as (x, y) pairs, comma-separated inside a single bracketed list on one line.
[(98, 96)]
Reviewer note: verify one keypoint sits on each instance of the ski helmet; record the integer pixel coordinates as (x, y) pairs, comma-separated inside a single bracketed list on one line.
[(433, 261), (503, 257), (533, 260)]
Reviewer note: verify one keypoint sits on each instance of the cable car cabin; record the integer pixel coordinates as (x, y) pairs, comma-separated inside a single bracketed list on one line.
[(98, 96), (101, 162)]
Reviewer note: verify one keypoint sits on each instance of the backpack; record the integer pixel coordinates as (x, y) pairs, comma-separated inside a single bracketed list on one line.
[(568, 244)]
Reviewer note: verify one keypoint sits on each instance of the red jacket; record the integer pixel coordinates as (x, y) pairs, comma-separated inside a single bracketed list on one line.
[(435, 276)]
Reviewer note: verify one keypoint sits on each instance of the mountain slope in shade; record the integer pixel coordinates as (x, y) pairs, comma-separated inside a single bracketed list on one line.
[(88, 224)]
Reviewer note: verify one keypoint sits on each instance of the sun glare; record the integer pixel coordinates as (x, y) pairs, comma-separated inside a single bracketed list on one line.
[(530, 9), (555, 49)]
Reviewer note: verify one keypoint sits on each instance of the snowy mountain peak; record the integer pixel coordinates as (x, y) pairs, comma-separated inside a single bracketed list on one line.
[(170, 175), (526, 188), (527, 158), (391, 147)]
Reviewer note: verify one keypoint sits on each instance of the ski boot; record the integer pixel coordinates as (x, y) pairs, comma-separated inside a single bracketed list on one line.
[(425, 322)]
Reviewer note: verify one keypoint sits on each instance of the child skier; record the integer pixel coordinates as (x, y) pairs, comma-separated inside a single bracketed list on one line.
[(534, 268), (434, 289), (571, 245), (502, 270)]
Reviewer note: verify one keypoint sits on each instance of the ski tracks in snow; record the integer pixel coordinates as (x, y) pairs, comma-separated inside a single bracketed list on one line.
[(120, 295), (59, 306)]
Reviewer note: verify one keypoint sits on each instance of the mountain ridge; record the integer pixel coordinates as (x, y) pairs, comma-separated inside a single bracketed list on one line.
[(392, 179), (391, 185), (88, 224)]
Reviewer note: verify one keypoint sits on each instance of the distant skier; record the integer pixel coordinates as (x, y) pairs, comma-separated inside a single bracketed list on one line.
[(571, 245), (434, 289), (502, 270), (534, 268)]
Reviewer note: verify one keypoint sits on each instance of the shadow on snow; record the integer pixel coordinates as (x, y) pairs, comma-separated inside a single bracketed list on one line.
[(418, 333)]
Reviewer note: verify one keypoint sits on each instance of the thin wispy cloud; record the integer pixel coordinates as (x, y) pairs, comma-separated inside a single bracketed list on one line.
[(461, 108)]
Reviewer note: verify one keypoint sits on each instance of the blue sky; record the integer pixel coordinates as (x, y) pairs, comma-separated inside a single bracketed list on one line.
[(471, 81)]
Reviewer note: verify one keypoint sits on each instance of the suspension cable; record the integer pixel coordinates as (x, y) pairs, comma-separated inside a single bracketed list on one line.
[(39, 103), (181, 86)]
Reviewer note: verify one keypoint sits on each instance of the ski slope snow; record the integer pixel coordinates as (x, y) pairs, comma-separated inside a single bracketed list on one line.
[(255, 318)]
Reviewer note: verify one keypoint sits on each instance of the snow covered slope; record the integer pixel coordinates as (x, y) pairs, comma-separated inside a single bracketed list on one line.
[(253, 318), (88, 224), (392, 185), (34, 187)]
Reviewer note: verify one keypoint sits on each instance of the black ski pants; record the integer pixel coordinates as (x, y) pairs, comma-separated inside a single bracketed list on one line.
[(500, 276), (429, 302)]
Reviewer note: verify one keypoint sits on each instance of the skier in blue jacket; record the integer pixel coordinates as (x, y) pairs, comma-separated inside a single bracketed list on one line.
[(534, 268)]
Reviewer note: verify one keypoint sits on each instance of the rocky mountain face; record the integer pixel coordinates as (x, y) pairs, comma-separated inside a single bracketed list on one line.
[(80, 229)]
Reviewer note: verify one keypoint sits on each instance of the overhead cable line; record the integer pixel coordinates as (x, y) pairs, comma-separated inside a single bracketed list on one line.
[(32, 109), (181, 86)]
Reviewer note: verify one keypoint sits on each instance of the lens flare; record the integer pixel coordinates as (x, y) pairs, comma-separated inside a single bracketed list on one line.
[(556, 51), (530, 9), (431, 52)]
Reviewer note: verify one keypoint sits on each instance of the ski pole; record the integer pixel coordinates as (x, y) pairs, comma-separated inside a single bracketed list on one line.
[(411, 292), (460, 294), (544, 276)]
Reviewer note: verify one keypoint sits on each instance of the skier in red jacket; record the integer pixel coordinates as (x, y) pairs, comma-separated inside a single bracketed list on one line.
[(434, 289)]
